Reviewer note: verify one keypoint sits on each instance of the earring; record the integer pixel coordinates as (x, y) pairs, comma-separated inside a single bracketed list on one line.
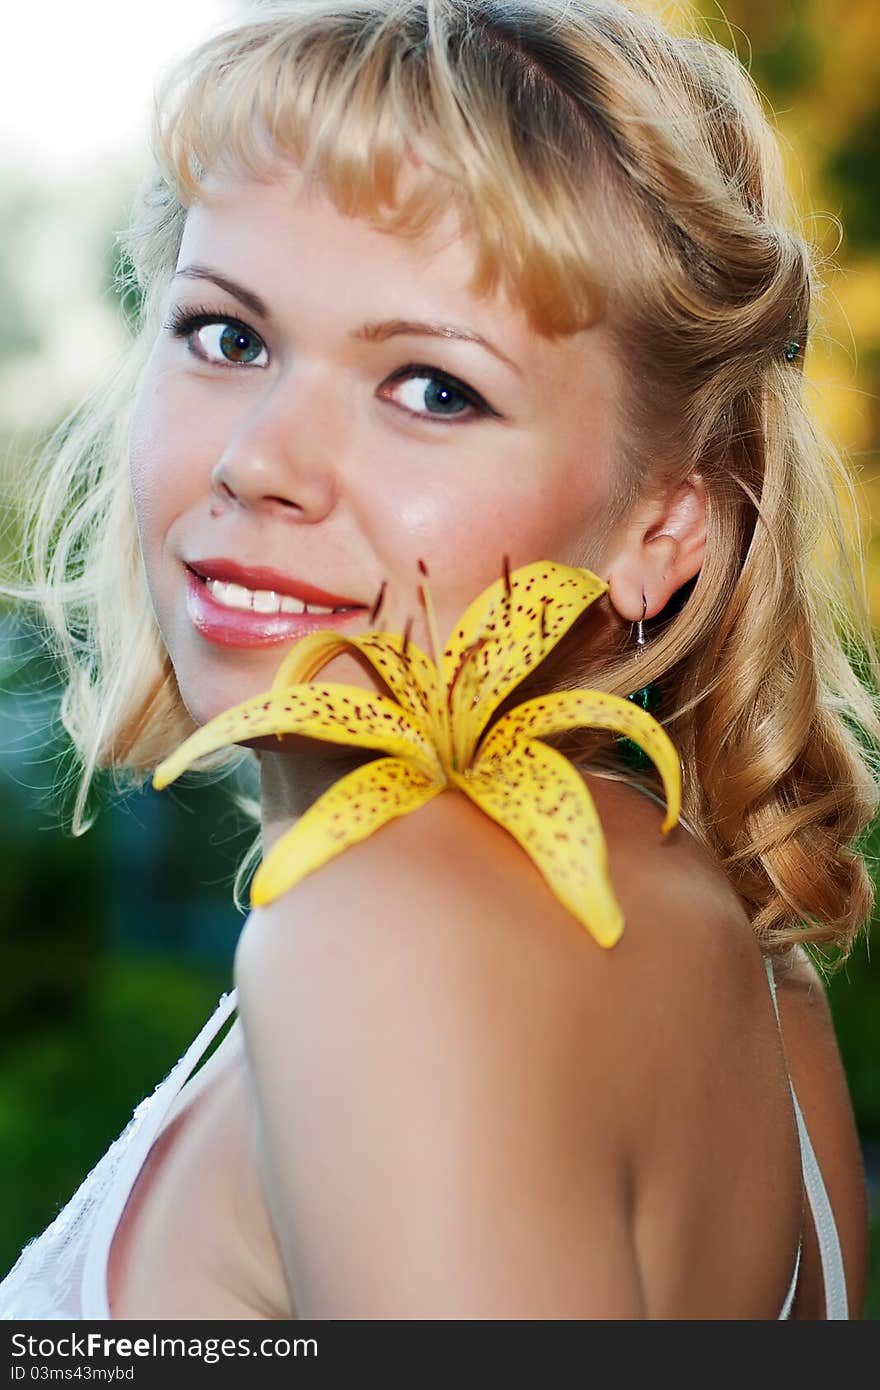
[(647, 698)]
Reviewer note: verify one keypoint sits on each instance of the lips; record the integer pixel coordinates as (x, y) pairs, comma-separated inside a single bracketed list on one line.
[(263, 577), (243, 627)]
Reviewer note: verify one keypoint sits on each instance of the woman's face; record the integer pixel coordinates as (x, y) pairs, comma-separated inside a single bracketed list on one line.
[(305, 422)]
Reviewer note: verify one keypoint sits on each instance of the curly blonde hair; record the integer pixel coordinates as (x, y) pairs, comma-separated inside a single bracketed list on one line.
[(605, 166)]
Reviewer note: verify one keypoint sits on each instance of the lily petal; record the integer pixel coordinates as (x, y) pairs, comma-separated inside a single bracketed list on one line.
[(503, 635), (544, 803), (350, 810), (411, 678), (335, 712), (566, 709)]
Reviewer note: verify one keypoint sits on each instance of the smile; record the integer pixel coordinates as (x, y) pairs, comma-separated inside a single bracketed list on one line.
[(229, 615), (264, 600)]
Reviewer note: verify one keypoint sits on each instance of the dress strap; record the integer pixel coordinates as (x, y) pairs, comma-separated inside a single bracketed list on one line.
[(792, 1288), (833, 1273), (146, 1123)]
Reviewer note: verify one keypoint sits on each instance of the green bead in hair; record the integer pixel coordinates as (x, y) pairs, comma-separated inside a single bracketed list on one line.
[(648, 698)]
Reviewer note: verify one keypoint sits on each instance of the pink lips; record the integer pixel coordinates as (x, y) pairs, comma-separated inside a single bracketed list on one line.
[(262, 577), (241, 627)]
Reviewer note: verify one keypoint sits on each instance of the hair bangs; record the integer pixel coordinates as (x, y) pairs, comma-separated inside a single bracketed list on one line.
[(394, 131)]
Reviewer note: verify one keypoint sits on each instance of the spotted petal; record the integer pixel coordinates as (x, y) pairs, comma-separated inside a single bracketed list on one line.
[(335, 712), (568, 709), (350, 810), (504, 634), (411, 678), (544, 803)]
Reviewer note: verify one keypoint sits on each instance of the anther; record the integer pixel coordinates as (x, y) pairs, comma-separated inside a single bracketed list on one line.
[(380, 599), (507, 584)]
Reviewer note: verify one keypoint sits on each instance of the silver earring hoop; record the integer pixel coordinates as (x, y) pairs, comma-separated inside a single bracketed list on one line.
[(648, 698), (640, 635)]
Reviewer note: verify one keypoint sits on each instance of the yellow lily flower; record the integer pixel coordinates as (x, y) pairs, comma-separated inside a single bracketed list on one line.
[(431, 730)]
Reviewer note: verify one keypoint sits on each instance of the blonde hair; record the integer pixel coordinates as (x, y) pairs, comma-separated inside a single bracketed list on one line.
[(606, 167)]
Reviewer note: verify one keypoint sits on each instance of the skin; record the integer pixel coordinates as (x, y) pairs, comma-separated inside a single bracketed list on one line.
[(311, 463), (677, 1179), (313, 459)]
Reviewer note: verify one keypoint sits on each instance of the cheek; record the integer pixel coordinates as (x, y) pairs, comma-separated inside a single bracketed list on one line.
[(169, 448), (520, 511), (456, 528), (143, 469), (148, 448), (464, 530)]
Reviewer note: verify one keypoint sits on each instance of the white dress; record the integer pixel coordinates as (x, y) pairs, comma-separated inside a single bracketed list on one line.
[(63, 1272)]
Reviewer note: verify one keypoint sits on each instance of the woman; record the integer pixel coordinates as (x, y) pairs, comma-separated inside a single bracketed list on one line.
[(429, 287)]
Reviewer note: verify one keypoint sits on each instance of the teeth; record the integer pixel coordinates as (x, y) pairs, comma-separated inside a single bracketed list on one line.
[(230, 595), (265, 601), (260, 600)]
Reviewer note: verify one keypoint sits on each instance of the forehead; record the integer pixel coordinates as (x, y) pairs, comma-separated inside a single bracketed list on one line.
[(285, 239), (281, 220)]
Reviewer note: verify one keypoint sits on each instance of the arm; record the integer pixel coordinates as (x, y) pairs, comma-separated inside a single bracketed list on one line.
[(437, 1119)]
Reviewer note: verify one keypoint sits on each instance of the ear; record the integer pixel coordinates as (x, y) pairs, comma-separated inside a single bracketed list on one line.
[(660, 546)]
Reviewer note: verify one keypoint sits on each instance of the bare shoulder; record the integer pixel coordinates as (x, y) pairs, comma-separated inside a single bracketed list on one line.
[(443, 913), (432, 1036), (448, 888)]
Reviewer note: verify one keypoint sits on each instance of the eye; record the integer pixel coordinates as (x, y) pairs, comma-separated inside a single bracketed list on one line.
[(221, 340), (434, 395)]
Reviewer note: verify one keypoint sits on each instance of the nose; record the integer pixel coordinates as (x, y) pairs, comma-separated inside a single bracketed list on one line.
[(280, 457)]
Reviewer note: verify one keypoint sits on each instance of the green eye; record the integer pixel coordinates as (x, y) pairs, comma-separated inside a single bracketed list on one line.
[(217, 339), (238, 344)]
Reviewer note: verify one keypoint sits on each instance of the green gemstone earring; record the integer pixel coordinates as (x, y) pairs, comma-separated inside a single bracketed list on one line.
[(647, 698)]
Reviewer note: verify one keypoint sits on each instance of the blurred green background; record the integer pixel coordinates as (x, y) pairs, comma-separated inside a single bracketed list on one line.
[(117, 944)]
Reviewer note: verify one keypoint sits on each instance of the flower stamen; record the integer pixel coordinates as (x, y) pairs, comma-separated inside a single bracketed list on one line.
[(380, 599), (506, 567), (436, 726)]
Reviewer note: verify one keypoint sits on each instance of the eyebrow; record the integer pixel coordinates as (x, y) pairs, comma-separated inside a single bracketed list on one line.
[(247, 297), (376, 331)]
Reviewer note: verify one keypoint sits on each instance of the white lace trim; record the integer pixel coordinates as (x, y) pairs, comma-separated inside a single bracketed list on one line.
[(48, 1280)]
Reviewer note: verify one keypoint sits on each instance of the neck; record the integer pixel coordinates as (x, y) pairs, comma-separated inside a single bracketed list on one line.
[(292, 781)]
